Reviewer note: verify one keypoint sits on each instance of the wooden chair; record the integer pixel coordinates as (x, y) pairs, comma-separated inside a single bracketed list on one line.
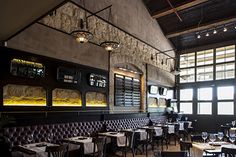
[(228, 152), (163, 138), (100, 144), (175, 135), (57, 151), (185, 146), (173, 154)]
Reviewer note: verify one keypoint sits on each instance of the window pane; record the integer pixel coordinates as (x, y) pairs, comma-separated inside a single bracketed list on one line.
[(204, 108), (186, 108), (225, 93), (225, 108), (225, 54), (186, 94), (170, 94), (187, 75), (204, 93), (225, 71), (187, 60), (205, 57), (205, 73)]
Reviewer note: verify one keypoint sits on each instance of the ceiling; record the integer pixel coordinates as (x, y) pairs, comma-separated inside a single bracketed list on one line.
[(16, 15), (182, 22)]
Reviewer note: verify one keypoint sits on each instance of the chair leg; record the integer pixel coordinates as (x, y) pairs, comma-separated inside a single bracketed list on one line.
[(146, 150)]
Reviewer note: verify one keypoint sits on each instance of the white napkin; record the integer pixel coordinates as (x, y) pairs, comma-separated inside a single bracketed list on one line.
[(171, 129), (158, 131), (181, 126), (121, 141), (143, 134)]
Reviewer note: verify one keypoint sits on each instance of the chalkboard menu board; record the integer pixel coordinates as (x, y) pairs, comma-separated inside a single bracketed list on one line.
[(28, 69), (68, 75), (97, 80), (127, 91)]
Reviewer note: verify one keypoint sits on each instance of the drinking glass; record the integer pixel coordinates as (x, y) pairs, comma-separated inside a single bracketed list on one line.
[(186, 118), (30, 138), (50, 137), (212, 137), (220, 136), (233, 123), (232, 137), (75, 133), (204, 136)]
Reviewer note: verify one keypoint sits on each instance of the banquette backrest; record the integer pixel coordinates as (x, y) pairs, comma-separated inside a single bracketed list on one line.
[(19, 135), (115, 125)]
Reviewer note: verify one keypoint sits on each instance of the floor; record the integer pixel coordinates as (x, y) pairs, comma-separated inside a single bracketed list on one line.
[(171, 147)]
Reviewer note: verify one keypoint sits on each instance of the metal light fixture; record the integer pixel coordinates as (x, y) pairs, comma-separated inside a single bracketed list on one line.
[(215, 31), (109, 45), (82, 35), (225, 29)]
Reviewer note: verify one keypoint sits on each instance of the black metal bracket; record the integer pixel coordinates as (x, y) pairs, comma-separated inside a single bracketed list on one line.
[(99, 11)]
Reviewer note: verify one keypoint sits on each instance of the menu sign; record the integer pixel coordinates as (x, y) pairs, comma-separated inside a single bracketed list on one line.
[(97, 80), (68, 75), (23, 68)]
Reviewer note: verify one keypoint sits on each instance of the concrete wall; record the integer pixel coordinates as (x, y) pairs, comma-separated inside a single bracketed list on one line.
[(130, 15)]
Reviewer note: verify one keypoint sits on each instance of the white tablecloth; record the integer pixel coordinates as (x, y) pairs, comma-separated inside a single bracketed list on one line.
[(119, 136), (39, 150), (86, 142)]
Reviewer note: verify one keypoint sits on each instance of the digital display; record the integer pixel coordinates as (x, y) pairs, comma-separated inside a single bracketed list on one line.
[(25, 68), (97, 80), (68, 75), (153, 89)]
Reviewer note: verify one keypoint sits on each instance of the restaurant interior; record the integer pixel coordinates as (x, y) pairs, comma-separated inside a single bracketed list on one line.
[(106, 78)]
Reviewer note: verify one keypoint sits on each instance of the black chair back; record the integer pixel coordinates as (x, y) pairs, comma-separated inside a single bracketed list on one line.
[(228, 152), (99, 143), (129, 142), (196, 138), (185, 146), (173, 154), (57, 151)]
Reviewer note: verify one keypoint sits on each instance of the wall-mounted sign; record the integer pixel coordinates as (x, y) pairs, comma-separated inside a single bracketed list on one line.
[(97, 80), (68, 75), (25, 68)]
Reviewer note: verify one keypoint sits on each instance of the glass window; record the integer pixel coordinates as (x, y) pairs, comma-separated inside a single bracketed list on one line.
[(225, 54), (187, 60), (205, 57), (225, 71), (205, 73), (170, 94), (187, 75), (204, 108), (225, 108), (205, 93), (186, 107), (225, 93), (186, 94)]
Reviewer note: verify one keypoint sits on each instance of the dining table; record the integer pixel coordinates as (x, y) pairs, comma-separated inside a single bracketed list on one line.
[(201, 149), (34, 149), (83, 143)]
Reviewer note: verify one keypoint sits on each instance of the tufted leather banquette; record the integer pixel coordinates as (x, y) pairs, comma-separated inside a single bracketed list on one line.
[(19, 135), (114, 125)]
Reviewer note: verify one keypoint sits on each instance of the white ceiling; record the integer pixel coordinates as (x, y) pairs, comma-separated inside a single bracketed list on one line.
[(17, 14)]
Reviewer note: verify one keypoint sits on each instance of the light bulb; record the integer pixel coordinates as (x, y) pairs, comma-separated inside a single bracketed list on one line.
[(214, 32), (198, 36), (225, 29), (109, 48), (81, 39), (207, 35)]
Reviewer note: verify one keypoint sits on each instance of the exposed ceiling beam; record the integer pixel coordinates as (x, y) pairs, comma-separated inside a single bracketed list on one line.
[(177, 8), (202, 27)]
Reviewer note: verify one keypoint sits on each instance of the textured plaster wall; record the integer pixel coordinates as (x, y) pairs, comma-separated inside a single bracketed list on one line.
[(130, 15)]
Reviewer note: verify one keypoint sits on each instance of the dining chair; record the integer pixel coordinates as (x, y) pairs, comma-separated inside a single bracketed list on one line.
[(163, 138), (129, 142), (196, 138), (57, 151), (185, 146), (173, 154), (228, 152), (174, 134), (100, 144)]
